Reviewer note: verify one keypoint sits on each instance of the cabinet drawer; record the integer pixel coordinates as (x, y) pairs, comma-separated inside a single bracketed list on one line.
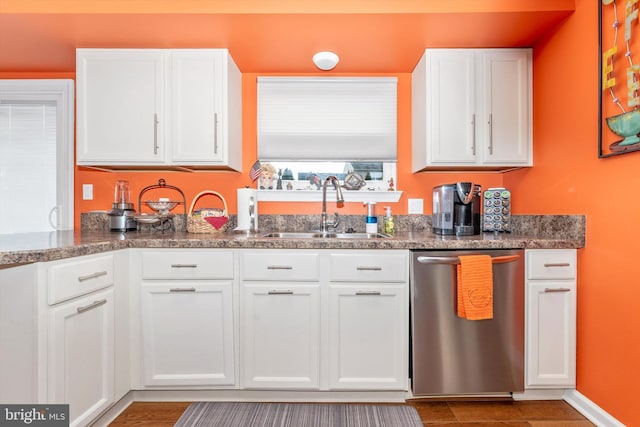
[(551, 264), (187, 264), (78, 277), (373, 267), (287, 266)]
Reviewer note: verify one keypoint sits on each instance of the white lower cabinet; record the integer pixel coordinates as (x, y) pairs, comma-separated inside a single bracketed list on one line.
[(280, 302), (551, 318), (327, 320), (79, 296), (368, 320), (280, 330), (81, 358), (188, 339), (20, 311), (368, 337), (186, 320)]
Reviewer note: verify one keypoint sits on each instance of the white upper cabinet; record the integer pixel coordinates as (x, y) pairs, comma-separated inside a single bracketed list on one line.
[(142, 108), (120, 98), (472, 109)]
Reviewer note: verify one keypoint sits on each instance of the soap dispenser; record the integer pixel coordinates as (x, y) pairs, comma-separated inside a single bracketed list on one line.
[(372, 219), (388, 226)]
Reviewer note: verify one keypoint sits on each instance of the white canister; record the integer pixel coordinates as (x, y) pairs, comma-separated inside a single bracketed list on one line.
[(247, 209)]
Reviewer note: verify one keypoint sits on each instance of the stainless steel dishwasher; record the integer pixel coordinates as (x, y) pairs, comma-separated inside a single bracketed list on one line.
[(455, 356)]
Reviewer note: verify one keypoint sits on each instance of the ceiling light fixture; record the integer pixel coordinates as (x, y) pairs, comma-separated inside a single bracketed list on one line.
[(325, 60)]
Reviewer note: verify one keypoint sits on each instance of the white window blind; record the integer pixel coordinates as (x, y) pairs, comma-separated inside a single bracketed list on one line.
[(323, 119), (28, 165)]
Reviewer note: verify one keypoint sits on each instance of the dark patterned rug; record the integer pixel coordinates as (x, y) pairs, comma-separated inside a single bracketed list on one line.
[(247, 414)]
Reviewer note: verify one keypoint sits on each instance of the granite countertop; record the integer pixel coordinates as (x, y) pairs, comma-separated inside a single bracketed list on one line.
[(533, 232)]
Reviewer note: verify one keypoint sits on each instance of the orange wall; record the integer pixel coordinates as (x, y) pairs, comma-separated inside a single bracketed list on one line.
[(226, 183), (569, 178)]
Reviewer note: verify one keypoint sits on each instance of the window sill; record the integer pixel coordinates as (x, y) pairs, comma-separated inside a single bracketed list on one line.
[(316, 196)]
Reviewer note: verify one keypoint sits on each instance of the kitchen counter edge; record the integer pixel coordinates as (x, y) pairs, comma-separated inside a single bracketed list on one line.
[(28, 248)]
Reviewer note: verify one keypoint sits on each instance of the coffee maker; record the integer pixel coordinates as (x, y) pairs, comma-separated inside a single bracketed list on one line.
[(122, 214), (456, 209)]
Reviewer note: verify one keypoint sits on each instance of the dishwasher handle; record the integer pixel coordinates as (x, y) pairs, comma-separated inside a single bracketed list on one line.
[(454, 260)]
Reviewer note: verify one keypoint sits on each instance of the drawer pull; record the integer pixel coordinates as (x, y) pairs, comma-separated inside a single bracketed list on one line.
[(276, 292), (368, 293), (279, 267), (184, 265), (549, 290), (92, 276), (367, 268), (558, 264), (91, 306), (182, 290)]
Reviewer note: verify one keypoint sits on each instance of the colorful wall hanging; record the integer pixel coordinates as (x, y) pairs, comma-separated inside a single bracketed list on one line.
[(619, 126)]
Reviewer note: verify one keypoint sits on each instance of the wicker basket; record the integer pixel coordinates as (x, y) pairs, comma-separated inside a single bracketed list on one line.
[(210, 220)]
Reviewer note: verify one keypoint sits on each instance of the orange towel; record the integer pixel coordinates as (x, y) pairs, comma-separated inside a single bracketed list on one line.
[(475, 287)]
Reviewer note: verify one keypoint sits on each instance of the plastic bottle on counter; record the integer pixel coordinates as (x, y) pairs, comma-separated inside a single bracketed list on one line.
[(372, 219), (388, 227)]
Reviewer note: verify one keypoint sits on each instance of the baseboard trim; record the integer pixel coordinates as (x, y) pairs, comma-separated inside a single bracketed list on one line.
[(540, 394), (112, 413), (590, 410), (581, 403), (268, 396)]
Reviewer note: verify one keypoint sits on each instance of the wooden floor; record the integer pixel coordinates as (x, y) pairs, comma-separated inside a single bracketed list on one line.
[(550, 413)]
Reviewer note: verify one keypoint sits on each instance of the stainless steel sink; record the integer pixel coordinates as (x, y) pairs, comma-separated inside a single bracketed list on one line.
[(359, 235), (319, 235)]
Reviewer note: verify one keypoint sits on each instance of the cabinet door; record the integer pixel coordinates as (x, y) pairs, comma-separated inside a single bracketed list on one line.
[(551, 333), (119, 106), (197, 108), (81, 361), (506, 109), (451, 106), (187, 331), (280, 330), (368, 337)]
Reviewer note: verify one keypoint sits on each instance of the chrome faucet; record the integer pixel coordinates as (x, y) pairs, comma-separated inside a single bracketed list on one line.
[(324, 223)]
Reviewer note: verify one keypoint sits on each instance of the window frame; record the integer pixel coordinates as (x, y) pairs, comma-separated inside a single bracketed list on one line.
[(61, 92)]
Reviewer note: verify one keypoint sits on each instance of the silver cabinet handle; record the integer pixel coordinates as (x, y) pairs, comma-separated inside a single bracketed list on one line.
[(550, 290), (558, 264), (182, 290), (279, 267), (473, 140), (368, 268), (91, 306), (92, 276), (490, 133), (277, 292), (368, 293), (215, 133), (155, 133), (184, 265), (454, 260)]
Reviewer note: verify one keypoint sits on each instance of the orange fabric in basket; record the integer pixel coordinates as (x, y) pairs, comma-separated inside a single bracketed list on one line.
[(216, 221), (475, 287)]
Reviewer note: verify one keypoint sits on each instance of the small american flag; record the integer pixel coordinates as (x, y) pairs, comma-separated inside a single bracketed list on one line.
[(255, 171)]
